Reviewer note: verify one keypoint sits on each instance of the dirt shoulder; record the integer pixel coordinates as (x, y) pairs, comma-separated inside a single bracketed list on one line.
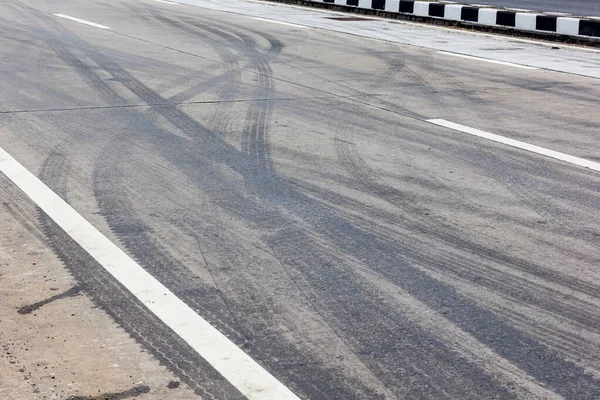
[(54, 343)]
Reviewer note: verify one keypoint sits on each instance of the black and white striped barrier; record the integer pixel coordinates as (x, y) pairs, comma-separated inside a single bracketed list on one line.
[(528, 21)]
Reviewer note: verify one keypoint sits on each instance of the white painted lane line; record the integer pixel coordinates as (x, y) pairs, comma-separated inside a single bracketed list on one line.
[(166, 2), (279, 22), (486, 60), (82, 21), (252, 380), (582, 162)]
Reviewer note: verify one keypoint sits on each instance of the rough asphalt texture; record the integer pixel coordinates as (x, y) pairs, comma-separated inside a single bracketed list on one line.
[(283, 183)]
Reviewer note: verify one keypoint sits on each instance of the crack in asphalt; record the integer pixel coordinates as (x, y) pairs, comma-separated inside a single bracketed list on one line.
[(179, 104)]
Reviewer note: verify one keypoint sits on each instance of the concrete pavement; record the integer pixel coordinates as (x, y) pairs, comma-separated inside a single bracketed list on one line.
[(284, 183)]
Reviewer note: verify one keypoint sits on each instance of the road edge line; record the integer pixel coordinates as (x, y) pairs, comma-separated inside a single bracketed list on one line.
[(243, 372)]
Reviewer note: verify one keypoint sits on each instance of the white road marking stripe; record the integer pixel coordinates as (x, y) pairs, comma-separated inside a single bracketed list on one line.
[(279, 22), (486, 60), (237, 367), (166, 2), (582, 162), (82, 21)]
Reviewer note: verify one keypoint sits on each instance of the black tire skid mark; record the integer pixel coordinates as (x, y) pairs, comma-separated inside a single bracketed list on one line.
[(193, 292), (228, 81), (17, 32), (244, 45), (119, 214), (393, 349), (255, 142), (369, 182), (248, 47), (578, 186), (471, 319), (20, 207), (581, 314), (145, 93), (529, 342), (37, 36), (529, 198), (359, 121), (522, 265), (258, 353), (181, 361), (433, 77), (558, 88), (134, 318), (249, 42), (138, 10), (282, 357), (540, 190), (244, 215), (484, 109), (127, 311), (129, 81), (347, 112), (255, 132), (573, 344), (430, 86), (473, 100), (433, 260), (494, 279), (178, 75), (445, 290), (55, 172), (393, 58), (351, 94), (55, 43), (396, 61), (256, 336), (118, 302)]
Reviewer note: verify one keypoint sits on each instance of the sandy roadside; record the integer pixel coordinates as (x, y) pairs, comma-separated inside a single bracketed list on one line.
[(54, 343)]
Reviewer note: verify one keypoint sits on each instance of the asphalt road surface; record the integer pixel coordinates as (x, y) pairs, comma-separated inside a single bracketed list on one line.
[(575, 7), (284, 182)]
